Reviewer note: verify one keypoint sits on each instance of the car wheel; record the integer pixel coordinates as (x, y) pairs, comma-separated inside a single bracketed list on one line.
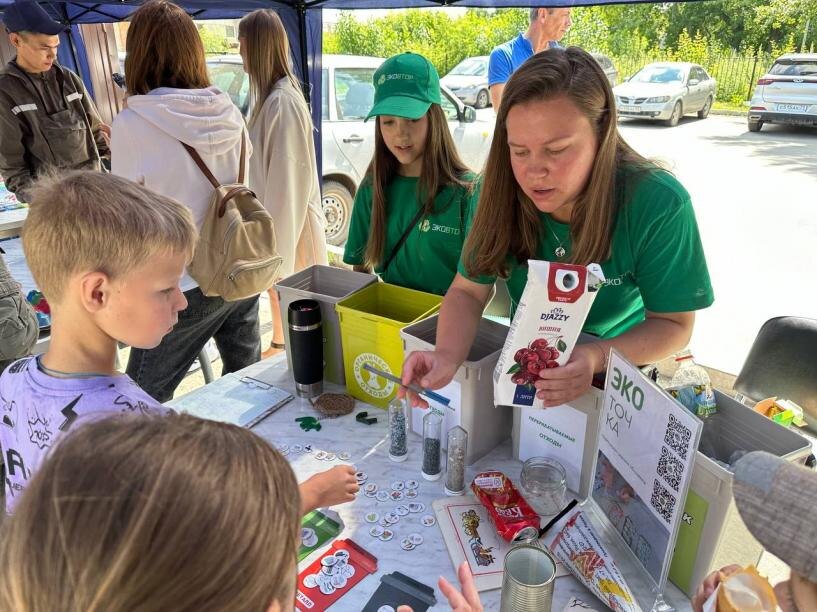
[(675, 117), (337, 210), (754, 126), (482, 99), (704, 112)]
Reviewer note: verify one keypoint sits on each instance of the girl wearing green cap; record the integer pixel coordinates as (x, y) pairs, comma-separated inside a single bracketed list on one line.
[(408, 221), (560, 184)]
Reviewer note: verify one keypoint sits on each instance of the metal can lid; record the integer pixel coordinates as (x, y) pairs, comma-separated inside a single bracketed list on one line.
[(526, 534)]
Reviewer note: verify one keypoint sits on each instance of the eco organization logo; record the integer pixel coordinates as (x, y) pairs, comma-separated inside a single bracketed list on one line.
[(425, 225), (370, 382), (382, 79)]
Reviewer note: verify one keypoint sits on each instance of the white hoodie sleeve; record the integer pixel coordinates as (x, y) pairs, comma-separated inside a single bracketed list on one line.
[(284, 176), (125, 149)]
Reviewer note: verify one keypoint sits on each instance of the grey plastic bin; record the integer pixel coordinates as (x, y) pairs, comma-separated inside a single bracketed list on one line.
[(486, 424), (712, 533), (326, 285)]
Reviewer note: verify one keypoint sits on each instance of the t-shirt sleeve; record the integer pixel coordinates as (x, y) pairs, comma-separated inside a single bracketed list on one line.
[(670, 265), (470, 214), (353, 253), (499, 66)]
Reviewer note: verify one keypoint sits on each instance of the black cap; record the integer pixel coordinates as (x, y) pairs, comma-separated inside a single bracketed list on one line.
[(28, 16)]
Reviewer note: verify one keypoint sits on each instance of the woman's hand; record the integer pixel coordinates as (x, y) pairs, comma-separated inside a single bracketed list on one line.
[(570, 381), (429, 369), (464, 600), (709, 585)]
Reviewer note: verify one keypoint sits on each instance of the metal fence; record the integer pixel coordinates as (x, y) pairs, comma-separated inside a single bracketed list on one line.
[(736, 74)]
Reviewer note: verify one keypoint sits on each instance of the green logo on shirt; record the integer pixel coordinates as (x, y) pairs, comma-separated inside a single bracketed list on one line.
[(425, 225)]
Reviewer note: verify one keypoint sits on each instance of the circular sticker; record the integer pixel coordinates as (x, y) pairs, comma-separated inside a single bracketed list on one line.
[(338, 581), (396, 495), (401, 510), (387, 535), (370, 382), (385, 609), (361, 477), (329, 561), (308, 537), (320, 455), (382, 496), (411, 493), (406, 544), (428, 520), (415, 538), (372, 517), (416, 507), (369, 493), (283, 448), (310, 582), (376, 531), (392, 518), (345, 456), (330, 456), (370, 488), (327, 588), (412, 484), (342, 555), (398, 485)]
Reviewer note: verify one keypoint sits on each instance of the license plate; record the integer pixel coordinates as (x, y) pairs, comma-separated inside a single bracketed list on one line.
[(628, 109), (793, 108)]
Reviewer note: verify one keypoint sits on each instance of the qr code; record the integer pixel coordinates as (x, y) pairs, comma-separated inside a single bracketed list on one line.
[(678, 436), (662, 500), (670, 468)]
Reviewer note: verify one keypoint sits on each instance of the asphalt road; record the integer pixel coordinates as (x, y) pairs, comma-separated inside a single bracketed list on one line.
[(755, 198)]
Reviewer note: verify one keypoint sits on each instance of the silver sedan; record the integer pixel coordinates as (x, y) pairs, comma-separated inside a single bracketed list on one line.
[(666, 91)]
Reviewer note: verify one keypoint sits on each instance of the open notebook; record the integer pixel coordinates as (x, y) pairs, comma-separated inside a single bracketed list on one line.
[(241, 400)]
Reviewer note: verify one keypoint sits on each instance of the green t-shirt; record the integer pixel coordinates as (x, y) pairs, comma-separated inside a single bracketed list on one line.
[(657, 261), (428, 259)]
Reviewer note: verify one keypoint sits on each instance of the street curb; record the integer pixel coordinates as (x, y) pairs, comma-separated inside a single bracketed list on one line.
[(730, 113)]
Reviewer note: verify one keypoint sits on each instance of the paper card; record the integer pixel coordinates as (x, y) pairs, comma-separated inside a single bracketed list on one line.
[(333, 575), (647, 445), (557, 433), (470, 536), (397, 589), (452, 413), (316, 530)]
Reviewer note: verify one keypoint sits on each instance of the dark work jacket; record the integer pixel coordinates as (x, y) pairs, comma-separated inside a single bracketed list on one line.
[(33, 140)]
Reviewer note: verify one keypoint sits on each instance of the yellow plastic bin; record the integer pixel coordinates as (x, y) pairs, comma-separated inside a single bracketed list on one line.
[(370, 324)]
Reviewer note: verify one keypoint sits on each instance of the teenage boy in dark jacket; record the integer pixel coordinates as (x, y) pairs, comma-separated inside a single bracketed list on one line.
[(47, 118)]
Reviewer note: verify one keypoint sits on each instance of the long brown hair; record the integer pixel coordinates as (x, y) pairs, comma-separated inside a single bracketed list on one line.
[(507, 223), (154, 513), (441, 167), (164, 50), (266, 49)]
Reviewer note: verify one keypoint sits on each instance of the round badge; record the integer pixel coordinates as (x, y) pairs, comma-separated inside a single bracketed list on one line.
[(428, 520), (398, 485), (345, 456), (329, 561), (387, 535), (411, 493), (376, 531), (401, 510), (385, 609), (396, 495), (382, 496), (372, 517), (310, 582), (415, 538)]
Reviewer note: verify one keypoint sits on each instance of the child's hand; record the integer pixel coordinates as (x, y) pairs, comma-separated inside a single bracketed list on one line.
[(337, 485), (709, 585), (466, 600)]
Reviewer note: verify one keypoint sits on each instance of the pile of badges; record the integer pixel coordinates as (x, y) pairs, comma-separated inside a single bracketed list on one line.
[(335, 573), (309, 449), (383, 526)]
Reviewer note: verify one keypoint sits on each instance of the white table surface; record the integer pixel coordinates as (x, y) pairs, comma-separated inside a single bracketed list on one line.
[(11, 221), (368, 446), (16, 262)]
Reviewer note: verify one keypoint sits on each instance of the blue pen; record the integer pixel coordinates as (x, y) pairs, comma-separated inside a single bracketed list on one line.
[(412, 387)]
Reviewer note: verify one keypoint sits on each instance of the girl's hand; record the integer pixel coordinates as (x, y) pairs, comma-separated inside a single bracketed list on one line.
[(464, 600), (570, 381), (709, 585), (337, 485), (429, 369)]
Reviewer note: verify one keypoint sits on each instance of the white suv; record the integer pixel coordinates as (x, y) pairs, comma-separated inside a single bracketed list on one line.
[(787, 93)]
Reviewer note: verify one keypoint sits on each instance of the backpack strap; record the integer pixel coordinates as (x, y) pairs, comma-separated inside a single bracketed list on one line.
[(206, 171)]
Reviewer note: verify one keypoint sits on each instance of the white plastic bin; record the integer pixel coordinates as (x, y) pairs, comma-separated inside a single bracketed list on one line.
[(472, 389), (326, 285)]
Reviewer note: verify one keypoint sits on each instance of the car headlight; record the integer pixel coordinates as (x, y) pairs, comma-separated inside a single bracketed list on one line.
[(658, 100)]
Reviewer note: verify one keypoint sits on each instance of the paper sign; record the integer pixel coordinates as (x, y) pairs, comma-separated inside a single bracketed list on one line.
[(647, 445), (557, 433), (451, 413)]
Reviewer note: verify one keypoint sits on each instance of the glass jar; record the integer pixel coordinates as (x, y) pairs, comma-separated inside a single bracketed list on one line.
[(544, 482), (455, 462), (398, 430), (432, 445)]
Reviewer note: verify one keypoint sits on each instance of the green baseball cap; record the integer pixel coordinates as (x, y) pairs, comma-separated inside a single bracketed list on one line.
[(405, 85)]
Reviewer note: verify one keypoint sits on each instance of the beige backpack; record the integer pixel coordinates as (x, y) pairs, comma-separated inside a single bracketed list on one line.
[(235, 256)]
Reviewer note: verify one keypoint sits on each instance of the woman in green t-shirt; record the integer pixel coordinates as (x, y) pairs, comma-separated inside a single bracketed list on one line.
[(561, 184), (408, 220)]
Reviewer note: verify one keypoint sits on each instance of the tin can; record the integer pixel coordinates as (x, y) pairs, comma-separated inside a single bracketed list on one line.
[(527, 584), (512, 516)]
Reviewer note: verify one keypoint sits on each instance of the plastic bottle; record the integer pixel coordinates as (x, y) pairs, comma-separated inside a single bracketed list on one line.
[(432, 446), (692, 387), (398, 429), (455, 463)]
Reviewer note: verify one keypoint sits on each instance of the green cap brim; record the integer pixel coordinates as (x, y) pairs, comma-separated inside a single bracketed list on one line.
[(400, 106)]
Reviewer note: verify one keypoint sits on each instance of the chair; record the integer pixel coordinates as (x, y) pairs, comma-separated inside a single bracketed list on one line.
[(783, 362)]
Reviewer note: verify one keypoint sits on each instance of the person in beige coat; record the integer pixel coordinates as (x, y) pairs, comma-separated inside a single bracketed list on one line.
[(283, 167)]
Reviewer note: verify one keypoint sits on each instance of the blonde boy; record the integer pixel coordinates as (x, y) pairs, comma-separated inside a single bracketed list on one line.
[(108, 254)]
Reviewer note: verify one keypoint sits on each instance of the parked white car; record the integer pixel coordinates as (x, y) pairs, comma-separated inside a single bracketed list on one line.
[(469, 81), (347, 142), (666, 91), (787, 93)]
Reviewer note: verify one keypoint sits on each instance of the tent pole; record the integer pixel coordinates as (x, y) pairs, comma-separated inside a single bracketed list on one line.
[(302, 33)]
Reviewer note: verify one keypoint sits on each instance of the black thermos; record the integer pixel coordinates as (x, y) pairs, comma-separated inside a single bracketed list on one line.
[(306, 347)]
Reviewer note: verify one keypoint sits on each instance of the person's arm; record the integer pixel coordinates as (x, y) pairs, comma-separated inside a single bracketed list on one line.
[(496, 95), (13, 167), (500, 69), (457, 326), (337, 485), (466, 599), (100, 129)]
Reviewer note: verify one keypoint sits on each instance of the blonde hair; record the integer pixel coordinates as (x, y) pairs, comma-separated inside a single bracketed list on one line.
[(266, 49), (507, 223), (154, 513), (89, 221), (441, 167)]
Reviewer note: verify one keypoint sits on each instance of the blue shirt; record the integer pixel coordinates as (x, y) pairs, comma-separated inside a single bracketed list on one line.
[(507, 57)]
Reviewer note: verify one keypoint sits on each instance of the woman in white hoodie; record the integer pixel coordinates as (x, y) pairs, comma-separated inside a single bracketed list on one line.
[(171, 102), (283, 167)]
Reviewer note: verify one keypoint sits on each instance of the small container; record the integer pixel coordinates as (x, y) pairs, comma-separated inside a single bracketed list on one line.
[(455, 462), (527, 584), (398, 430), (545, 483), (432, 446)]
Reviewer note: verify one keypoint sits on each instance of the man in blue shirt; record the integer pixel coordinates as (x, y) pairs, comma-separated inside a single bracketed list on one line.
[(547, 27)]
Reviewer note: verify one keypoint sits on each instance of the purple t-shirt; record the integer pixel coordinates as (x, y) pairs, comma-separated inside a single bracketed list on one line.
[(35, 409)]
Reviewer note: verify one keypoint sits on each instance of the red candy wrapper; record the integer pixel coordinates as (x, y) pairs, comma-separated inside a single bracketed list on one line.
[(513, 518)]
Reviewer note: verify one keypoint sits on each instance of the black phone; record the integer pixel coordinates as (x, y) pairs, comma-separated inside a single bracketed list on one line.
[(119, 79)]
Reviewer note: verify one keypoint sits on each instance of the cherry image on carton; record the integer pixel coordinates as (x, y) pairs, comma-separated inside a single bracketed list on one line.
[(545, 328)]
